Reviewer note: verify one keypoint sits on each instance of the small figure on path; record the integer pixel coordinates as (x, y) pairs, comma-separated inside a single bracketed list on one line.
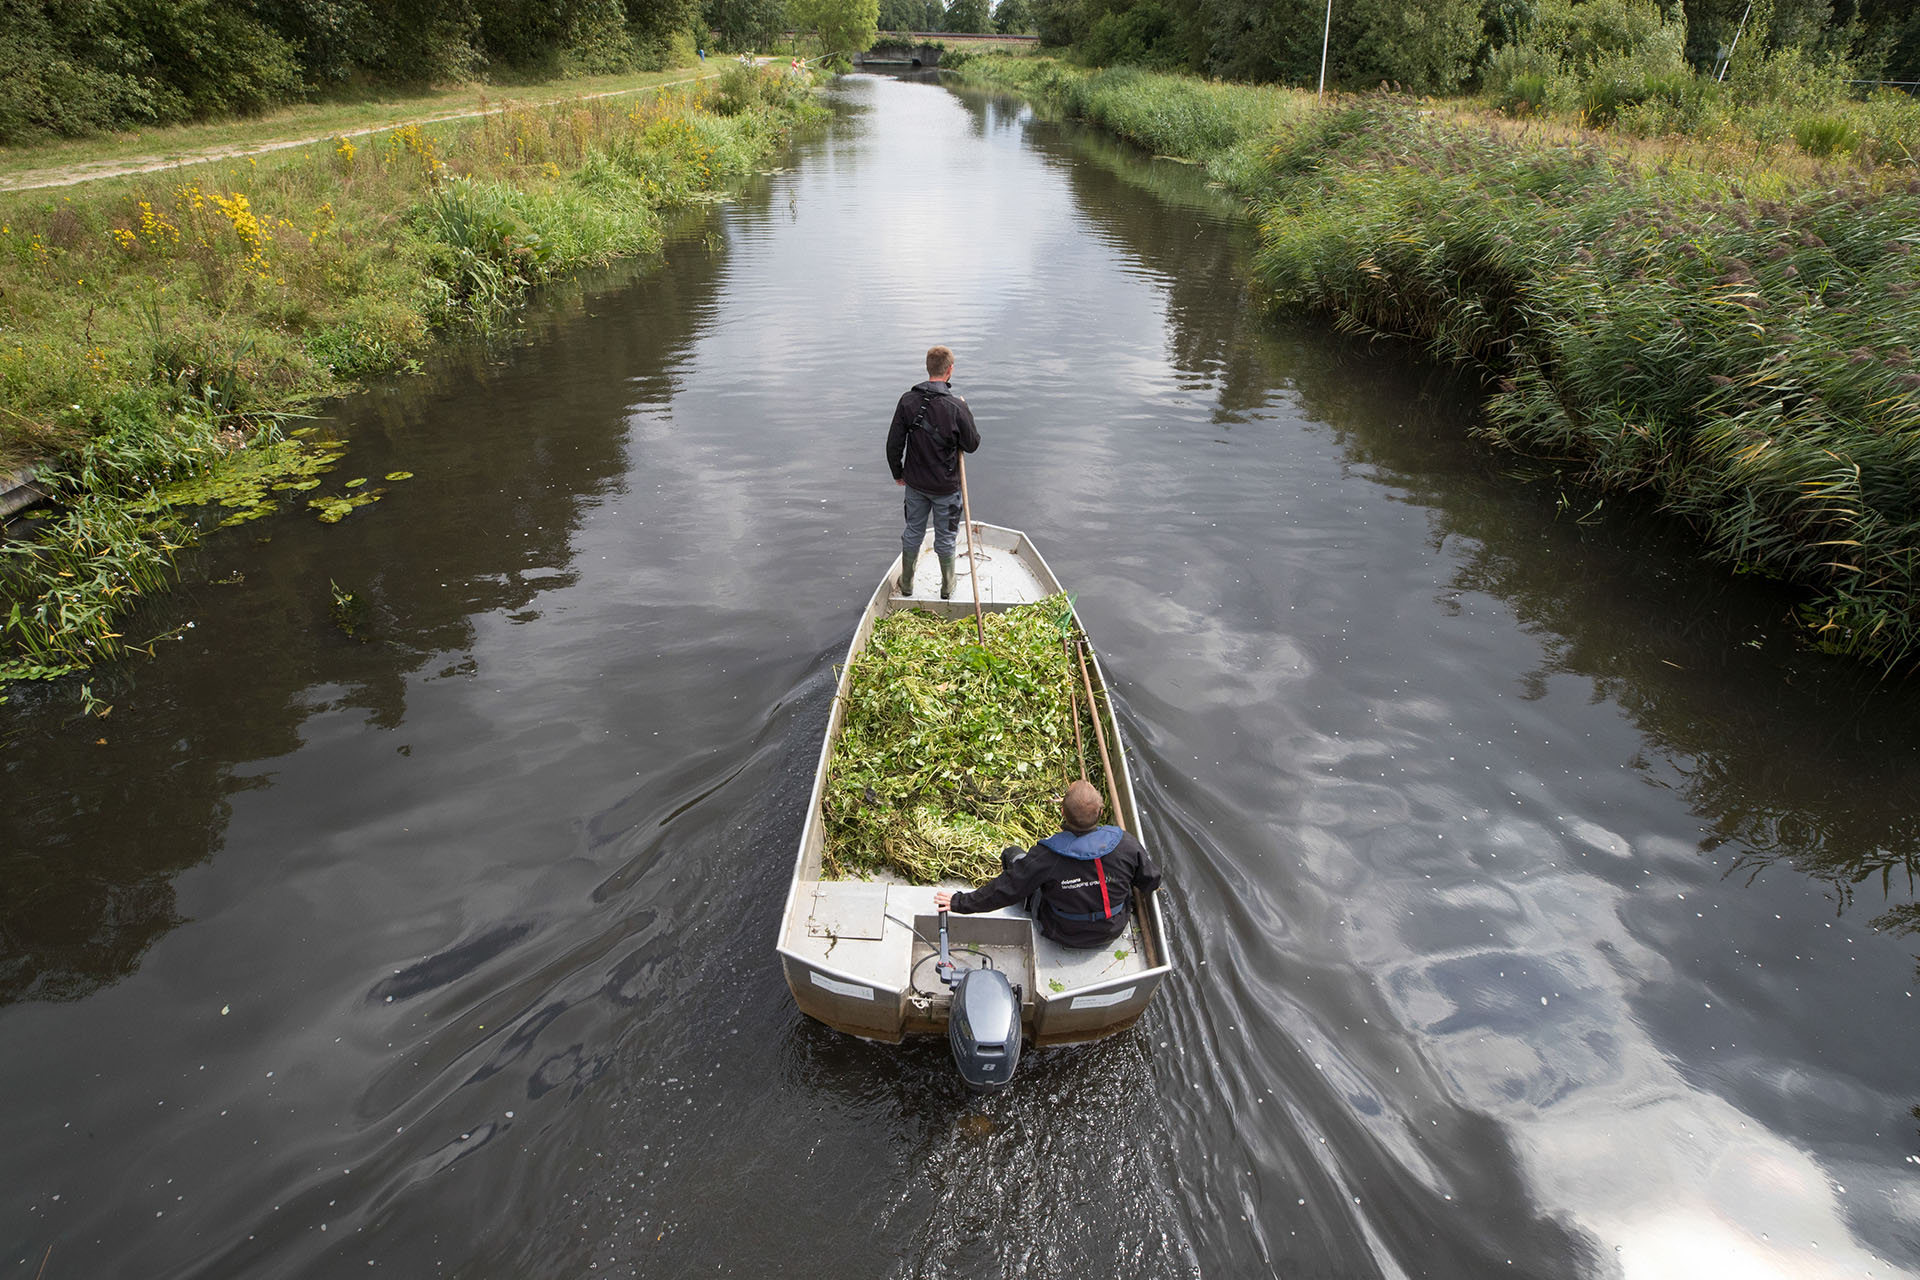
[(931, 426), (1077, 884)]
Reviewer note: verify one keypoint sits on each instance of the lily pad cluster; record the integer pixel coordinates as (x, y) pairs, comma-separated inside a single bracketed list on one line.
[(246, 482), (950, 750), (247, 485)]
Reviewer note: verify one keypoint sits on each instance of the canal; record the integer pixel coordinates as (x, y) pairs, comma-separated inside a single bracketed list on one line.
[(1540, 903)]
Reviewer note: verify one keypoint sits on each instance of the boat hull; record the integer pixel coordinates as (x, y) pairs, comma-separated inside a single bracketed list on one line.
[(851, 950)]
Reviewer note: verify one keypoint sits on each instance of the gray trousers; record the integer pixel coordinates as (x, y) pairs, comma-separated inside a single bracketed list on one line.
[(944, 509)]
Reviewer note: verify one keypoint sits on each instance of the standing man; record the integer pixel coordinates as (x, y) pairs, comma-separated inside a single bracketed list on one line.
[(931, 426)]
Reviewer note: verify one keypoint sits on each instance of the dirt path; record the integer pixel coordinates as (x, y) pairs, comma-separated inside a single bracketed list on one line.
[(91, 171)]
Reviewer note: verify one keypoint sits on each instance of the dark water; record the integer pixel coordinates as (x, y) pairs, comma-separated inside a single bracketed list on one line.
[(1538, 902)]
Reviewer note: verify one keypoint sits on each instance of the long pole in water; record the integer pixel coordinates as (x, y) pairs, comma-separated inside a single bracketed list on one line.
[(973, 569), (1326, 37), (1100, 736)]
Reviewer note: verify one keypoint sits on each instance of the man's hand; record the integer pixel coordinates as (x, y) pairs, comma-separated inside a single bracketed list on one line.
[(901, 483), (943, 901)]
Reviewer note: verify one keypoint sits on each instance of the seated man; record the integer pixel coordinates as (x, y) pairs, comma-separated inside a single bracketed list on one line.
[(1078, 884)]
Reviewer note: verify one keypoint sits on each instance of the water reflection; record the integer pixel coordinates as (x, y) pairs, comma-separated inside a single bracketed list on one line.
[(1546, 959), (475, 972)]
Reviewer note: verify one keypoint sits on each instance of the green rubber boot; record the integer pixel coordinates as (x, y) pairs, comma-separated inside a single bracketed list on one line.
[(906, 575), (946, 577)]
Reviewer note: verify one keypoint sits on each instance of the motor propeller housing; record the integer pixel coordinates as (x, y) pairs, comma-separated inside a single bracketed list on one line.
[(983, 1028), (983, 1025)]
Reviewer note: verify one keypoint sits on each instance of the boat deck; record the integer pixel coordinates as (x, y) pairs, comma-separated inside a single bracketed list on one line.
[(1006, 576), (866, 930)]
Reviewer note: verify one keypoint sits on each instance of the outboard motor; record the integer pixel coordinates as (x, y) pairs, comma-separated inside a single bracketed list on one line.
[(983, 1027)]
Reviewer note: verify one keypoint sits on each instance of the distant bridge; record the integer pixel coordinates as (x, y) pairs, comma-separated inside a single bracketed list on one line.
[(923, 48)]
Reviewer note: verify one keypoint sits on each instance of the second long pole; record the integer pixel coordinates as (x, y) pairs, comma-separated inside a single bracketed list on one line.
[(973, 568)]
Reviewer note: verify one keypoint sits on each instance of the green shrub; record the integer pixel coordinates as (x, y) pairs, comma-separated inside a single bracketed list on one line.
[(1524, 95), (1825, 134)]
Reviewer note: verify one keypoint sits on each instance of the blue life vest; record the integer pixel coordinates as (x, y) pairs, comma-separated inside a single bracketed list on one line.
[(1097, 843)]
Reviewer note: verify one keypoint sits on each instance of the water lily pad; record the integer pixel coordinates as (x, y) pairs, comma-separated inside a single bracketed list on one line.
[(334, 510), (240, 481), (356, 482), (399, 475)]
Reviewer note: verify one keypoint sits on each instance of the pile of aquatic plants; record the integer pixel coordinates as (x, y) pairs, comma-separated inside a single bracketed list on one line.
[(151, 326), (951, 750), (1743, 347)]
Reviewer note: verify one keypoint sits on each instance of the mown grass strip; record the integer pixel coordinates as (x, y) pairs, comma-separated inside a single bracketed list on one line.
[(950, 750)]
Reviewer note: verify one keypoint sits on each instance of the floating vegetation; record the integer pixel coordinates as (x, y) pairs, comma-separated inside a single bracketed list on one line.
[(399, 475), (346, 608), (242, 483), (334, 510), (950, 751)]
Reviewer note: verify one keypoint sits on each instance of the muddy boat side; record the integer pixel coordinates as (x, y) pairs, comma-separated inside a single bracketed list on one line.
[(852, 949)]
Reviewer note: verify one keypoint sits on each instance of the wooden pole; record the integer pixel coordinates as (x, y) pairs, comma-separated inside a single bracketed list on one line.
[(1073, 709), (973, 568), (1100, 736)]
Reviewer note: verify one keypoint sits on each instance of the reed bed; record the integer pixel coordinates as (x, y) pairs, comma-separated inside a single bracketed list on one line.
[(1733, 330), (1740, 345), (148, 326), (950, 750)]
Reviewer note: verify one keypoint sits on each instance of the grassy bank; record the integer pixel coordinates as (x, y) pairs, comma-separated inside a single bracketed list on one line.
[(156, 329), (1727, 326), (378, 110)]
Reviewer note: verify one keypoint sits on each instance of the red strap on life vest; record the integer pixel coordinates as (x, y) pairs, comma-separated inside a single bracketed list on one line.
[(1099, 869)]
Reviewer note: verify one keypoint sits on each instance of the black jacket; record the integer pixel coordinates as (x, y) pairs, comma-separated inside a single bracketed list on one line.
[(1070, 887), (927, 456)]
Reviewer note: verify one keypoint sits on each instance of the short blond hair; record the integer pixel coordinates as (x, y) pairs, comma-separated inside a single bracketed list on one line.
[(939, 361)]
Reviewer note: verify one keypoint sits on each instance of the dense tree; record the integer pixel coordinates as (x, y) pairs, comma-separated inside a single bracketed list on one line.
[(972, 17), (903, 15), (1148, 34), (1423, 45), (1060, 22), (745, 24), (1013, 18), (71, 66), (80, 65), (1427, 46), (845, 27), (1889, 41)]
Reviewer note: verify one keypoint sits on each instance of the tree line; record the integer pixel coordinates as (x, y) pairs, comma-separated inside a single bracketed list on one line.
[(1442, 46), (70, 67), (759, 24)]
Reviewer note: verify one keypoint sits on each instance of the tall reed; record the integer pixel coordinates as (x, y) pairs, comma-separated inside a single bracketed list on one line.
[(1733, 333)]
